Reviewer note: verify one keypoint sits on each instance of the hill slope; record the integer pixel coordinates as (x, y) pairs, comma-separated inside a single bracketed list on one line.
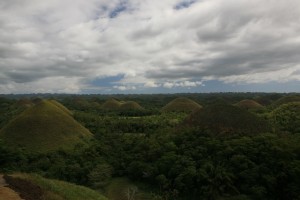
[(35, 187), (44, 127), (249, 104), (221, 119), (181, 104), (286, 99), (131, 105), (111, 104)]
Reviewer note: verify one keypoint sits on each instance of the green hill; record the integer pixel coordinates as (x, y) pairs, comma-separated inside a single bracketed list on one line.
[(131, 105), (248, 104), (286, 99), (181, 104), (111, 104), (224, 119), (44, 127), (62, 107), (35, 187)]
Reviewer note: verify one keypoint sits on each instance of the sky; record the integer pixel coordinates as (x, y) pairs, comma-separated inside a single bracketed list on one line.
[(149, 46)]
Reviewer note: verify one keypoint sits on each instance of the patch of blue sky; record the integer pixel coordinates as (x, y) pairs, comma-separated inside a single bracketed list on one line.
[(184, 4), (106, 81), (219, 86), (121, 7)]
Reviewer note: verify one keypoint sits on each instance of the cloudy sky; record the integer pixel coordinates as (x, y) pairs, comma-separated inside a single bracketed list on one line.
[(149, 46)]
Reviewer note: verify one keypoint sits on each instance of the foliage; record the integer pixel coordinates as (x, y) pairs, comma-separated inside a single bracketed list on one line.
[(58, 190), (287, 117)]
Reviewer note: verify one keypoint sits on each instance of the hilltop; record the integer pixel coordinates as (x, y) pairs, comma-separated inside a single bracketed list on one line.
[(181, 104), (131, 105), (45, 126), (248, 104), (286, 99), (223, 119), (113, 104)]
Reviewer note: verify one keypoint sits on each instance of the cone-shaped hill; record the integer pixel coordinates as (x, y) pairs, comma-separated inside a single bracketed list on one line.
[(286, 99), (131, 105), (181, 104), (111, 104), (62, 107), (44, 127), (249, 104), (226, 119)]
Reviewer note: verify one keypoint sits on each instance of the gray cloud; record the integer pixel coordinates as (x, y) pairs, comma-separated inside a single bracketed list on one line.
[(151, 42)]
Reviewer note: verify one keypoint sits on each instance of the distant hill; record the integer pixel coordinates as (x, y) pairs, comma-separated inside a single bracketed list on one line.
[(24, 102), (113, 104), (286, 99), (248, 104), (45, 126), (35, 187), (181, 104), (224, 119), (131, 105)]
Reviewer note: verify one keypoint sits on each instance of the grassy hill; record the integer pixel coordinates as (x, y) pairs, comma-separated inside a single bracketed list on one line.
[(44, 127), (248, 104), (131, 105), (35, 187), (224, 119), (181, 104), (60, 106), (111, 104), (286, 99)]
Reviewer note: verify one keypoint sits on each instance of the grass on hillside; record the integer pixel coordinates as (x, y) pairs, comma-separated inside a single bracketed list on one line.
[(249, 104), (124, 189), (60, 190), (181, 104), (62, 107), (131, 105), (44, 127), (286, 99)]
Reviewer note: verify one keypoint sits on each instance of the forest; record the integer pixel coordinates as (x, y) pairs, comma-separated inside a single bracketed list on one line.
[(213, 146)]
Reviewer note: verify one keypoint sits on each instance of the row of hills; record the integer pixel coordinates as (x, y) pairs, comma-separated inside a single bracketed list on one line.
[(47, 125)]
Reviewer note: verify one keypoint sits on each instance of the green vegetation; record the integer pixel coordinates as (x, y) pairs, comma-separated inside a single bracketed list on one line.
[(44, 127), (218, 152), (287, 117), (60, 190), (181, 104), (124, 189), (226, 119), (286, 99)]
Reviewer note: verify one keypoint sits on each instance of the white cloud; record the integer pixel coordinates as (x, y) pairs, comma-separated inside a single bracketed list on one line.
[(183, 84), (124, 87), (149, 42)]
